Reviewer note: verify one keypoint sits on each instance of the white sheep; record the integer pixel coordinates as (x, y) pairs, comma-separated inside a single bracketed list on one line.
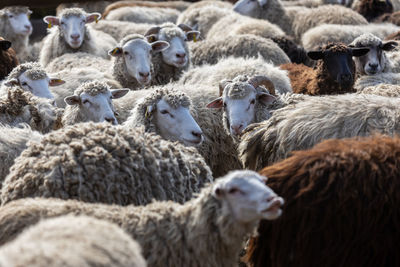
[(375, 61), (119, 29), (31, 77), (99, 162), (297, 20), (72, 34), (209, 230), (373, 80), (302, 125), (323, 34), (148, 15), (72, 241), (78, 60), (16, 27), (383, 89)]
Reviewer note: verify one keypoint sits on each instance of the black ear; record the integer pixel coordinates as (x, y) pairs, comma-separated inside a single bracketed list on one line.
[(315, 55), (390, 45), (358, 52), (4, 45)]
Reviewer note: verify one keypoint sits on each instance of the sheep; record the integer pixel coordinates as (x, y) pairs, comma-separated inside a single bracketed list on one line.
[(171, 62), (97, 6), (142, 14), (305, 123), (203, 18), (99, 162), (119, 29), (334, 73), (31, 77), (296, 53), (323, 34), (374, 80), (296, 21), (72, 61), (206, 231), (234, 24), (92, 101), (73, 241), (316, 3), (229, 68), (19, 106), (383, 89), (178, 5), (8, 58), (372, 9), (393, 36), (341, 195), (13, 141), (16, 27), (375, 61), (71, 34), (210, 51), (390, 17)]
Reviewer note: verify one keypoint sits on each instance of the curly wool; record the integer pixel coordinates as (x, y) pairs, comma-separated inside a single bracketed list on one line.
[(308, 122), (366, 40), (119, 70), (373, 10), (142, 14), (71, 241), (98, 162), (8, 61), (382, 89), (373, 80), (33, 70), (202, 232), (92, 88), (340, 196)]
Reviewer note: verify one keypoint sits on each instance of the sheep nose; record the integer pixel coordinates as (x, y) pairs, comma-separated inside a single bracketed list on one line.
[(111, 120), (346, 77), (180, 55), (144, 74), (373, 65), (28, 27), (237, 129), (74, 36), (197, 134)]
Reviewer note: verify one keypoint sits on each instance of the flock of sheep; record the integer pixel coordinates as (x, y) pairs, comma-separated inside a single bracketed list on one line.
[(256, 132)]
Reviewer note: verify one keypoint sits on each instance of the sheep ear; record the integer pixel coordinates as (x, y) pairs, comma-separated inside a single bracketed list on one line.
[(5, 45), (118, 93), (117, 51), (159, 46), (315, 55), (216, 103), (93, 17), (388, 46), (266, 98), (193, 36), (358, 52), (56, 82), (11, 82), (51, 20), (262, 2), (72, 100)]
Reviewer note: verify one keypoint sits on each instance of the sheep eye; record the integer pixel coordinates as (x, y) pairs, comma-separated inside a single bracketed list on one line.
[(224, 105), (253, 101), (85, 101), (233, 191), (24, 84), (164, 112), (10, 16), (126, 52)]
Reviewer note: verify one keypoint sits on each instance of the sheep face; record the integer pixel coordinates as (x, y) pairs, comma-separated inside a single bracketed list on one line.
[(38, 87), (339, 63), (73, 27), (97, 108), (176, 124), (137, 55), (249, 8), (246, 196), (375, 60), (20, 23)]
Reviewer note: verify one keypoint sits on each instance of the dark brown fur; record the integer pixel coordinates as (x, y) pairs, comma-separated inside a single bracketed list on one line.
[(296, 53), (390, 17), (371, 9), (8, 60), (342, 206)]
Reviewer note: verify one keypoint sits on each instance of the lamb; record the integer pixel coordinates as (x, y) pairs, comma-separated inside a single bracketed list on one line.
[(31, 77), (121, 165), (16, 28), (341, 195), (372, 9), (335, 72), (323, 34), (92, 101), (307, 122), (296, 21), (141, 14), (73, 241), (178, 5), (234, 24), (210, 51), (8, 58), (71, 34), (375, 61), (206, 231), (171, 62)]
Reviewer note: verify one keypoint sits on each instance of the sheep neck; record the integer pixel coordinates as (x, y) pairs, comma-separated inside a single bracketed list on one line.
[(164, 73)]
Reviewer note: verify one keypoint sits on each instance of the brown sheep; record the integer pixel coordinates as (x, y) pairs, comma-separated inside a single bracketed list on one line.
[(372, 9), (8, 58), (342, 206), (333, 74), (390, 17)]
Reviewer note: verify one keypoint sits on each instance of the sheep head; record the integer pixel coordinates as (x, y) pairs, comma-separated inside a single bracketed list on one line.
[(18, 18)]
